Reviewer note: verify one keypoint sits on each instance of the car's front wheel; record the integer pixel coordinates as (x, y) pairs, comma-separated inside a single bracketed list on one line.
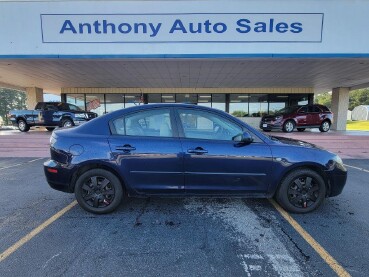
[(288, 126), (301, 191), (98, 191), (325, 126)]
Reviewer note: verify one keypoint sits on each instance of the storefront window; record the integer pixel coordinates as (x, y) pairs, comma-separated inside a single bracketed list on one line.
[(218, 101), (258, 105), (168, 98), (95, 103), (238, 105), (132, 100), (186, 98), (114, 102), (204, 100), (299, 99), (76, 99), (154, 98), (277, 102)]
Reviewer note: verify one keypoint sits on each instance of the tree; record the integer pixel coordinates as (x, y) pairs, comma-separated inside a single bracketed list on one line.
[(324, 99), (358, 97), (11, 99)]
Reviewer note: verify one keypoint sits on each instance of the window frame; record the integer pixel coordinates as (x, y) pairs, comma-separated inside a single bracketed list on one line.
[(173, 123)]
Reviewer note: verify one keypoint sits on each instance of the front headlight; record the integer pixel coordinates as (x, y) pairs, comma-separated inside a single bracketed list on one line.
[(80, 115), (277, 118), (336, 162)]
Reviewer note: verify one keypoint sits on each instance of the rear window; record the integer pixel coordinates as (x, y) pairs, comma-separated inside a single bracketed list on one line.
[(325, 109)]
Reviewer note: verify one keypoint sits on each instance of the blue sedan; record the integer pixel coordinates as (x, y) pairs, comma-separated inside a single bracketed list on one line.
[(187, 150)]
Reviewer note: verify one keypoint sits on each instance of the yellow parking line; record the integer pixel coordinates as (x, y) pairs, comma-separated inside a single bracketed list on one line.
[(35, 231), (311, 241)]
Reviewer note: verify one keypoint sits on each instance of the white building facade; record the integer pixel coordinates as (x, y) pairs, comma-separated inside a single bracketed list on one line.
[(244, 57)]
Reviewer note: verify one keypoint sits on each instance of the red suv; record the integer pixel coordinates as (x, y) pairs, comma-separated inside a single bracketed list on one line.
[(300, 117)]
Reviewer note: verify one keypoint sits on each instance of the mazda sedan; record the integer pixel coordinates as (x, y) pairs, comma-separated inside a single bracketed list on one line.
[(187, 150)]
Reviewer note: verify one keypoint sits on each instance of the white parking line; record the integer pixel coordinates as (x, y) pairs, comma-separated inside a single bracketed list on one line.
[(358, 168), (15, 165)]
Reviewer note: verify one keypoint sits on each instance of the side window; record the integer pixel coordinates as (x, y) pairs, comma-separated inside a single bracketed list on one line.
[(39, 106), (152, 123), (314, 109), (303, 110), (205, 125)]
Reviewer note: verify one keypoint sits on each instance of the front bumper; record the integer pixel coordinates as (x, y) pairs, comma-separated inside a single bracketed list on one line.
[(337, 181), (270, 126), (58, 176)]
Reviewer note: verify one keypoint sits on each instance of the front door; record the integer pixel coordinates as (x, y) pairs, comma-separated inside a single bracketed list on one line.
[(148, 152), (214, 163)]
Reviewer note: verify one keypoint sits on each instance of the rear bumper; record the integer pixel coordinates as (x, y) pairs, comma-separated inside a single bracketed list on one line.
[(58, 176)]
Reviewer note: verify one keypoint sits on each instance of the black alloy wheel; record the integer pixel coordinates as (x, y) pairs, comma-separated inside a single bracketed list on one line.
[(300, 129), (98, 191), (23, 126), (301, 191)]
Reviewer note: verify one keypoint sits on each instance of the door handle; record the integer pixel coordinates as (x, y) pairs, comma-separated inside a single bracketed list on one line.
[(125, 148), (197, 150)]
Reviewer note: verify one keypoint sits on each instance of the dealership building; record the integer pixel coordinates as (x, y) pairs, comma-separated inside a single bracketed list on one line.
[(247, 58)]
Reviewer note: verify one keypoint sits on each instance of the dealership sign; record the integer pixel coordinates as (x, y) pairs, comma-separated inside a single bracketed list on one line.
[(182, 28)]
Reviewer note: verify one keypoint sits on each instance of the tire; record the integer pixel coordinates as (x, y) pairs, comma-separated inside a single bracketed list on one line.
[(325, 126), (299, 195), (23, 126), (300, 129), (50, 129), (90, 194), (288, 126), (67, 123)]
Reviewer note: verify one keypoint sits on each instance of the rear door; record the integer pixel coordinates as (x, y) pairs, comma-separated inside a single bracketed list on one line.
[(214, 163), (147, 149)]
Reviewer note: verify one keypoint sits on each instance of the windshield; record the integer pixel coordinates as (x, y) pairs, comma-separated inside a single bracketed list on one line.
[(68, 107), (287, 110)]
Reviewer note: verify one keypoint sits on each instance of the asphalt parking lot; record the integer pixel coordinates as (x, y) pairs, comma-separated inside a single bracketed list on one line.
[(184, 237)]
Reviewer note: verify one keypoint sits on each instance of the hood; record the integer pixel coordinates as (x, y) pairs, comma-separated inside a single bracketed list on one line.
[(270, 116), (294, 142)]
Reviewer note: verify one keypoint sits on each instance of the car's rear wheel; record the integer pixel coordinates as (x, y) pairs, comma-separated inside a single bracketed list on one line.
[(67, 123), (23, 126), (288, 126), (98, 191), (301, 191), (300, 129), (325, 126), (50, 129)]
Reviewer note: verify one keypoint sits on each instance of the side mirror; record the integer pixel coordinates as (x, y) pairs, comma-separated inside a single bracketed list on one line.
[(244, 138)]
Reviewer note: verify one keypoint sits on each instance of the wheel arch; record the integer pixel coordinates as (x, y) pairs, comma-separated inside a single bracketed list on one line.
[(312, 166), (21, 118), (96, 165)]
